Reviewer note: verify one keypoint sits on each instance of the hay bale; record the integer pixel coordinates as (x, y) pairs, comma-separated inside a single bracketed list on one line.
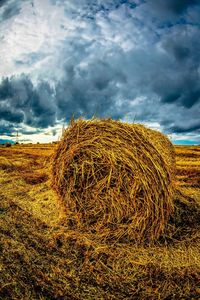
[(7, 145), (115, 179)]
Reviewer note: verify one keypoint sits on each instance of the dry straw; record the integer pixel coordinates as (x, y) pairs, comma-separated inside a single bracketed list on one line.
[(116, 179)]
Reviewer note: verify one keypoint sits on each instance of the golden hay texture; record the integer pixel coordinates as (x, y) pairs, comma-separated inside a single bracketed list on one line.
[(115, 179)]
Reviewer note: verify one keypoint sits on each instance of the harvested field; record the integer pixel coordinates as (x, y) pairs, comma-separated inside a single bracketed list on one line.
[(42, 259)]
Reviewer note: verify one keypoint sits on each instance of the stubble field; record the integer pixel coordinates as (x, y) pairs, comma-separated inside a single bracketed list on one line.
[(41, 259)]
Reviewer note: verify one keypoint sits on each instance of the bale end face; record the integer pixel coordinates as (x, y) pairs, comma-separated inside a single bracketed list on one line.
[(115, 179)]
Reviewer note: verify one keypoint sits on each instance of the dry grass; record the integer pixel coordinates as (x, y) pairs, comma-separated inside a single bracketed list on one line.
[(115, 178), (40, 259)]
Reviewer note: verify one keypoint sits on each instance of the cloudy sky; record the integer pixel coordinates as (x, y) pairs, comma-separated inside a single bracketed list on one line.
[(133, 60)]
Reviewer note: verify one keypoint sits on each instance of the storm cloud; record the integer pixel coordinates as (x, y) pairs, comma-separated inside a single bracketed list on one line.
[(9, 9), (21, 102), (174, 6), (134, 60)]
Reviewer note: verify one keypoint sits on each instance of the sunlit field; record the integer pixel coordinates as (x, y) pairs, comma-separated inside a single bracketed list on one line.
[(41, 259)]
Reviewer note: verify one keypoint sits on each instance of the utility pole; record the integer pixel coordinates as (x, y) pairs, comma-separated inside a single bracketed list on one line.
[(17, 137)]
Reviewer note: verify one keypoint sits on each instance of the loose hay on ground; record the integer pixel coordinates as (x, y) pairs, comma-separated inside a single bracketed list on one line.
[(115, 178)]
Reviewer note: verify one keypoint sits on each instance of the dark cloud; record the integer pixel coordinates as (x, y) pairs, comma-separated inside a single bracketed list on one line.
[(6, 128), (180, 50), (8, 114), (32, 105), (181, 79), (9, 9), (184, 90), (2, 2), (187, 129), (174, 6), (96, 6), (9, 12), (5, 89), (87, 9), (184, 124), (179, 43), (88, 91)]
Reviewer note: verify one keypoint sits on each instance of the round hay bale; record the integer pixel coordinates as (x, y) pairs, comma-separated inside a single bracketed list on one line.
[(8, 144), (115, 179)]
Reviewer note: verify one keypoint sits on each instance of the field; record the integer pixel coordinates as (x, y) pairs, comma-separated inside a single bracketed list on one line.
[(41, 259)]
